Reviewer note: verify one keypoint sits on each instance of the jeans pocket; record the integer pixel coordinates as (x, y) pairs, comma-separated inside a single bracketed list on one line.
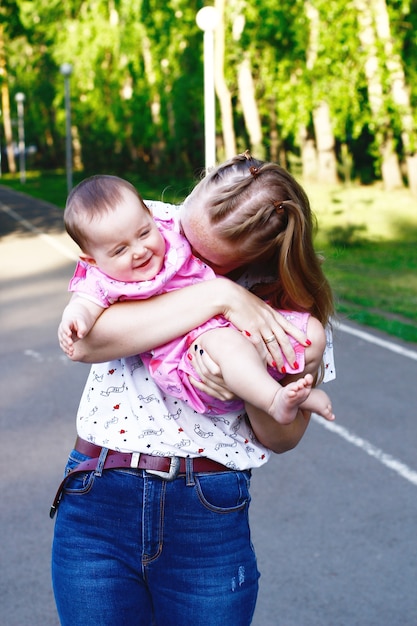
[(79, 483), (225, 492)]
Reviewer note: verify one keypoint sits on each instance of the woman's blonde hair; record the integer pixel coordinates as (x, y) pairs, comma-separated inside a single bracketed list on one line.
[(259, 207)]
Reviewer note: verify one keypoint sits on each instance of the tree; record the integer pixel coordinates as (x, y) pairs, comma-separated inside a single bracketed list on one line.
[(246, 83), (398, 89), (10, 27), (323, 131), (390, 167), (318, 83), (222, 90)]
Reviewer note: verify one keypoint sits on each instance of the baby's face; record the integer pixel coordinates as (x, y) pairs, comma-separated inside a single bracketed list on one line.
[(125, 243)]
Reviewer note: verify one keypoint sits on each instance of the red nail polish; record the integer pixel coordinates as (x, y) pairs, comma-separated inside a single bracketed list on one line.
[(308, 342), (295, 365), (189, 356), (247, 333), (274, 363), (283, 370)]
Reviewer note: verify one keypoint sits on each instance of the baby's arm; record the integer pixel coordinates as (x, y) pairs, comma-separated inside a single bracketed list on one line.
[(78, 319)]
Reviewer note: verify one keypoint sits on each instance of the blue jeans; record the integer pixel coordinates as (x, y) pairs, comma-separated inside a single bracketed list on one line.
[(132, 549)]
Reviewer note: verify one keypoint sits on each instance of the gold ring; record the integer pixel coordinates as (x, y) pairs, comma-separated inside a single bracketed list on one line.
[(270, 339)]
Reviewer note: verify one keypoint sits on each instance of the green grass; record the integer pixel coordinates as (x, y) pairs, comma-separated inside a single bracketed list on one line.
[(52, 186), (368, 237)]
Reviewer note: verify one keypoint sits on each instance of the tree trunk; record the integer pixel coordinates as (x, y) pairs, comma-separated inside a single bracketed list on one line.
[(76, 149), (155, 106), (326, 158), (246, 89), (222, 91), (411, 162), (250, 107), (274, 139), (391, 173), (390, 167), (325, 162), (308, 156), (399, 90), (5, 105)]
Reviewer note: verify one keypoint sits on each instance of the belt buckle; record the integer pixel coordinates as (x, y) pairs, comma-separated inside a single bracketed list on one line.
[(172, 473)]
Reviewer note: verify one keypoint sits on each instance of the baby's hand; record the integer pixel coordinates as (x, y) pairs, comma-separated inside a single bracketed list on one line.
[(68, 333), (78, 319), (66, 339)]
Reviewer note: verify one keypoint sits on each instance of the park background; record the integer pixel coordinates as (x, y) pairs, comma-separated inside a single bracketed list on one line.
[(326, 88)]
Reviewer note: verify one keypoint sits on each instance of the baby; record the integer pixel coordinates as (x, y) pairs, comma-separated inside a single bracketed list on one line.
[(127, 254)]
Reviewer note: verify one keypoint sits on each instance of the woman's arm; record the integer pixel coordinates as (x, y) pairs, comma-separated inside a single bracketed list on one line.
[(129, 328), (277, 437)]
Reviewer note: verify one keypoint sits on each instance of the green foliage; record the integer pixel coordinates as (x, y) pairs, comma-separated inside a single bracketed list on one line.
[(137, 81), (10, 18)]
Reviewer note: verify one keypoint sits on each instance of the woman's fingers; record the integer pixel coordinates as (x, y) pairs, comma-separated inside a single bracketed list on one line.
[(204, 364), (211, 379), (261, 322), (273, 344), (221, 393)]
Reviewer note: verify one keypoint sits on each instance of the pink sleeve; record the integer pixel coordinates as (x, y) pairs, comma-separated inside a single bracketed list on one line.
[(89, 282)]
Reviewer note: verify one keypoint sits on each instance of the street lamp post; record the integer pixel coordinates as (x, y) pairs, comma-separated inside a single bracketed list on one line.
[(66, 71), (20, 99), (207, 19)]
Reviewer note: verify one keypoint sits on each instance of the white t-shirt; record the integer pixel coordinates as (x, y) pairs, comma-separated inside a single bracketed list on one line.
[(122, 408)]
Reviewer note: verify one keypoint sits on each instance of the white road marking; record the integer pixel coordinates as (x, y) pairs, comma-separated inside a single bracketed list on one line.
[(386, 459), (383, 343), (69, 254)]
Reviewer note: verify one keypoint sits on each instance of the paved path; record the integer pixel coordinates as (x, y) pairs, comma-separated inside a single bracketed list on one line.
[(334, 521)]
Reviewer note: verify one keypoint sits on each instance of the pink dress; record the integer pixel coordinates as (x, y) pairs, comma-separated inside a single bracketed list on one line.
[(168, 364)]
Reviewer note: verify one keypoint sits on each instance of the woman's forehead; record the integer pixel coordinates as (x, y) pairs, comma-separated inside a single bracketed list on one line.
[(203, 237)]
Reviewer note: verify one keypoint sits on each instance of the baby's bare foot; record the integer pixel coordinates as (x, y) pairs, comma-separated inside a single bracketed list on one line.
[(319, 402), (288, 399)]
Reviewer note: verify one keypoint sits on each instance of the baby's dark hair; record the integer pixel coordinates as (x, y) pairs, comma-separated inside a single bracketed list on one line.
[(91, 198)]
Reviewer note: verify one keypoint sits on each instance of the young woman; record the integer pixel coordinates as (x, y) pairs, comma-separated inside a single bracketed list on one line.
[(153, 527), (128, 254)]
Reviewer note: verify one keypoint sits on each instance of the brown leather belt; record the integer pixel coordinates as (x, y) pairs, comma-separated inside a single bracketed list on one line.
[(165, 467)]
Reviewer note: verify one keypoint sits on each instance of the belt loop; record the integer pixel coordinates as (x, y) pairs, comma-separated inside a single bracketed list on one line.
[(189, 472), (100, 463)]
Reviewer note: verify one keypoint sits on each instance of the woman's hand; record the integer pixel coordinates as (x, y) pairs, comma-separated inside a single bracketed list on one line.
[(211, 379), (267, 329), (275, 436)]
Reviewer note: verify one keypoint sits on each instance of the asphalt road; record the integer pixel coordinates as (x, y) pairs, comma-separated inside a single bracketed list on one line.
[(334, 521)]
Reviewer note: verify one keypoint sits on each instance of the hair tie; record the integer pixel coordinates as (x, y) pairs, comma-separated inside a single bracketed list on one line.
[(254, 171), (279, 207)]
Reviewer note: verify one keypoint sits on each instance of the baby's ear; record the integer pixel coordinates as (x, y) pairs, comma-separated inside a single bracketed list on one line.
[(87, 259)]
